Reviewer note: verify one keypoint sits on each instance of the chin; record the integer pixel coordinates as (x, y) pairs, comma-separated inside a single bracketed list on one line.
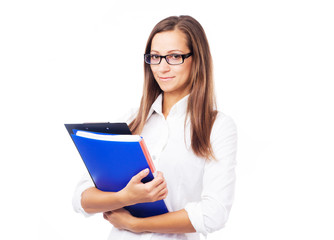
[(165, 88)]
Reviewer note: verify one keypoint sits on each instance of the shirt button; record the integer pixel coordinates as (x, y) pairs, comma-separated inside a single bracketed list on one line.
[(154, 157)]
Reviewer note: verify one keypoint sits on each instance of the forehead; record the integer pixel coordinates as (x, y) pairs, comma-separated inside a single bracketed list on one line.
[(165, 42)]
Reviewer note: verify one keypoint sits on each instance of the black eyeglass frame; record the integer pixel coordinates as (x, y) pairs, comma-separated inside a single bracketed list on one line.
[(184, 56)]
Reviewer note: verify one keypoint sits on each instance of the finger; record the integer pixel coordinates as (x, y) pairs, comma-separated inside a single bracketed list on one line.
[(159, 191), (158, 180), (159, 174), (140, 175), (160, 187), (107, 214), (163, 194), (121, 210)]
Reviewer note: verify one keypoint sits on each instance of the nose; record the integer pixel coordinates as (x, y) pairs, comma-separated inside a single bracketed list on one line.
[(164, 66)]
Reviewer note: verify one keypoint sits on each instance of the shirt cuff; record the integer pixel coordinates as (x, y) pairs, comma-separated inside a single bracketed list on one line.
[(195, 215)]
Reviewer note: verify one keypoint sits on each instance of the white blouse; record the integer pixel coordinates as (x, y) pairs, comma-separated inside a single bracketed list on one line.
[(205, 189)]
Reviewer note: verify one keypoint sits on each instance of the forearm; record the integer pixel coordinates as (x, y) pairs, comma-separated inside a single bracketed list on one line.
[(173, 222), (94, 200)]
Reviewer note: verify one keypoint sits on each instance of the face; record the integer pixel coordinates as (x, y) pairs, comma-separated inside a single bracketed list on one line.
[(172, 79)]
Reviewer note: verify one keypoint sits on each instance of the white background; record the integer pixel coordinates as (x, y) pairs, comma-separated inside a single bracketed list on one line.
[(78, 61)]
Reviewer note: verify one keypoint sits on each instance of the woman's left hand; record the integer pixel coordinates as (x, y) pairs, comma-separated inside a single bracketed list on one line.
[(121, 219)]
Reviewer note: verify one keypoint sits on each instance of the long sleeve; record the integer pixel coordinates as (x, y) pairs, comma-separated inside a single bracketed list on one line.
[(84, 183), (211, 212)]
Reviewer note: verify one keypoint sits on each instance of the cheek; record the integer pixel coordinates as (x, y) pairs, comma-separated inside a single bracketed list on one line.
[(154, 72), (184, 72)]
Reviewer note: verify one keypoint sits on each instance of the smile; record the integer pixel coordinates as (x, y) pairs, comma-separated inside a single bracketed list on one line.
[(165, 79)]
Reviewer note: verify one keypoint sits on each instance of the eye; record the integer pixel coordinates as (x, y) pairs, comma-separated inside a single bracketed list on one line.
[(175, 56), (155, 57)]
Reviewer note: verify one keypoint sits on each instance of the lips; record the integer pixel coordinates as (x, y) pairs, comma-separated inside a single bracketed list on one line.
[(165, 79)]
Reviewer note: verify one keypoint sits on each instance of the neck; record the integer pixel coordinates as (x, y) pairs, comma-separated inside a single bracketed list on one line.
[(169, 101)]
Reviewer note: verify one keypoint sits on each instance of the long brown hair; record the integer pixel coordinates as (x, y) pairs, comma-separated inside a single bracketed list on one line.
[(201, 102)]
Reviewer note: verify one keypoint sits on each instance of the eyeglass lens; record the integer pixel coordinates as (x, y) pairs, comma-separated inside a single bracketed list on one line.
[(173, 59)]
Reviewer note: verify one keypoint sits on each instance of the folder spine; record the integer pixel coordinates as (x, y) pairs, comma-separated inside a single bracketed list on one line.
[(147, 155)]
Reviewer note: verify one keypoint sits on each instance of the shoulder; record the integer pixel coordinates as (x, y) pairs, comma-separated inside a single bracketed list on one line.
[(223, 126), (224, 121)]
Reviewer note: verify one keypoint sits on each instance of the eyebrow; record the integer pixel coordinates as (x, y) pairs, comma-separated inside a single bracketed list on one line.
[(170, 51)]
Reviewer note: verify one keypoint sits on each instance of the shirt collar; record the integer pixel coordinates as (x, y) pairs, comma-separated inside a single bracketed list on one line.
[(178, 109)]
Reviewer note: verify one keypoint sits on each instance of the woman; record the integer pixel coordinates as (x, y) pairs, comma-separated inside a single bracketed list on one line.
[(191, 143)]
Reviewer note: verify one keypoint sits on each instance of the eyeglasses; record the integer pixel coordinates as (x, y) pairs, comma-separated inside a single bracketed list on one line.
[(172, 59)]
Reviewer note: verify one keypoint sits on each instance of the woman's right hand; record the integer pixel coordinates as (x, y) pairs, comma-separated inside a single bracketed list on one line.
[(138, 192)]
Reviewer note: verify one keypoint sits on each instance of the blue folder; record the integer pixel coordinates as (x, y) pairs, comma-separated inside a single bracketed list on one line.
[(112, 164)]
